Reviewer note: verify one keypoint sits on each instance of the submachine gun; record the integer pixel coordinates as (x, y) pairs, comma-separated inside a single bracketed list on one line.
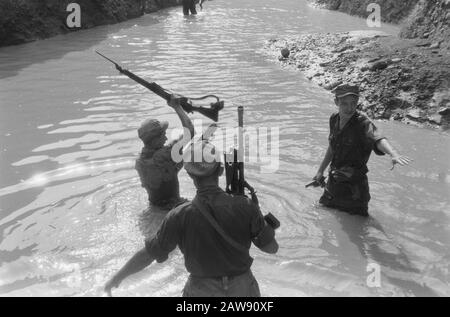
[(234, 172), (212, 112)]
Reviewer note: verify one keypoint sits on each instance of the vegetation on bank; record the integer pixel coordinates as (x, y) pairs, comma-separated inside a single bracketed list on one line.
[(23, 21)]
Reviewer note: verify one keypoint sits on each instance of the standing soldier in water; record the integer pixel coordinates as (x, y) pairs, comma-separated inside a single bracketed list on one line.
[(352, 138), (214, 233), (189, 5), (157, 170)]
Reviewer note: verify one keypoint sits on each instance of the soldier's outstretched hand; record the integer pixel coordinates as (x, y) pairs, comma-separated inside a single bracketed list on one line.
[(401, 160)]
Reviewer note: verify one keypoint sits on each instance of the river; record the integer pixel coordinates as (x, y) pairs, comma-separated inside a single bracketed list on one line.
[(70, 198)]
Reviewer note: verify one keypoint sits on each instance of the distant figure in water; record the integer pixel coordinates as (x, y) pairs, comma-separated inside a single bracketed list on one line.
[(189, 5), (157, 170), (200, 2)]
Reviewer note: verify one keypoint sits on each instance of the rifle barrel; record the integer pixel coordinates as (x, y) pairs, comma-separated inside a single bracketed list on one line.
[(106, 58), (211, 113)]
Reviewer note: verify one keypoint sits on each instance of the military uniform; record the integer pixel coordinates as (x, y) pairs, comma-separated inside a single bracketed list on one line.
[(159, 176), (216, 268), (347, 187), (189, 5)]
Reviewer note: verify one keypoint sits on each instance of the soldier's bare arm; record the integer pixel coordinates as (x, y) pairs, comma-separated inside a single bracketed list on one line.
[(174, 102), (384, 146), (325, 162), (137, 263)]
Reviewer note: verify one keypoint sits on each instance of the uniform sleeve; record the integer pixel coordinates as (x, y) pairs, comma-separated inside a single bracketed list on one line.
[(166, 239), (372, 136), (261, 233)]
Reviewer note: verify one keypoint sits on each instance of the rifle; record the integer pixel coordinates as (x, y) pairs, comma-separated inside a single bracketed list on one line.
[(234, 173), (212, 112)]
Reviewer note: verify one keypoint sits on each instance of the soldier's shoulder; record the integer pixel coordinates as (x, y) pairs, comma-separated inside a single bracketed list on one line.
[(363, 117), (181, 209), (242, 202), (334, 117)]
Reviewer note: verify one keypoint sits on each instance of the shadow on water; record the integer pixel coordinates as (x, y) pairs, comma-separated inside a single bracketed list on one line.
[(17, 57), (374, 244)]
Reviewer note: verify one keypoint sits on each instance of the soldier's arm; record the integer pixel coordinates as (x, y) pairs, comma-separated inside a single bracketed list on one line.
[(137, 263), (384, 146), (174, 102), (263, 235), (158, 248), (325, 162), (271, 247)]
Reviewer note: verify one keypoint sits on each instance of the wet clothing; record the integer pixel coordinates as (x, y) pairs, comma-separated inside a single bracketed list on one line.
[(189, 5), (159, 176), (244, 285), (151, 219), (207, 254), (347, 187)]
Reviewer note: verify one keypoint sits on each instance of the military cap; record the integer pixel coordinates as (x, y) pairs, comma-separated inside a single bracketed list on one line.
[(345, 90), (151, 128), (200, 159)]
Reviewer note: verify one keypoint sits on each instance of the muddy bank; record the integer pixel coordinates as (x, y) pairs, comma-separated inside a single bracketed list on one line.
[(392, 11), (23, 21), (401, 79), (426, 19)]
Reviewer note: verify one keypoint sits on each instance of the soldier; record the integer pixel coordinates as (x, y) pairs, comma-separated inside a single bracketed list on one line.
[(157, 170), (352, 138), (216, 252), (189, 5)]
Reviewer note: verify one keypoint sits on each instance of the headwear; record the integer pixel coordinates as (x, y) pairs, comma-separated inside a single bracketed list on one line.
[(151, 128), (201, 159), (345, 90)]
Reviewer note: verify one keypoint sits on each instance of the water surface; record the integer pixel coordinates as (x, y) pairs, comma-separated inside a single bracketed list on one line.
[(70, 197)]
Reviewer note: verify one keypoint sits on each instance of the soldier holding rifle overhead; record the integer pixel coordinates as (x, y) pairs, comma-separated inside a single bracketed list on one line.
[(214, 232), (156, 167)]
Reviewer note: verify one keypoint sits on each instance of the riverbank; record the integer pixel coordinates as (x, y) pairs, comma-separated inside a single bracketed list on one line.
[(405, 80), (23, 21)]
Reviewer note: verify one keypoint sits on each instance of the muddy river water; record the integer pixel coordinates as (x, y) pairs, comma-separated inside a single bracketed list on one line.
[(70, 196)]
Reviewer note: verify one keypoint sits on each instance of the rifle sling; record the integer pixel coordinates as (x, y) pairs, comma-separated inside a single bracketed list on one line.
[(203, 210)]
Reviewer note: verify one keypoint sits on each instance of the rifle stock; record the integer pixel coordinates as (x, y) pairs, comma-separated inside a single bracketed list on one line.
[(211, 113)]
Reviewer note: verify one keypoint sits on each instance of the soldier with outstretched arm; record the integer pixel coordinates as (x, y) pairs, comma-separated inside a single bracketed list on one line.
[(353, 136)]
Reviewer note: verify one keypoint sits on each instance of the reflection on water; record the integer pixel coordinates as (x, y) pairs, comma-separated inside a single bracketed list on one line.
[(70, 198)]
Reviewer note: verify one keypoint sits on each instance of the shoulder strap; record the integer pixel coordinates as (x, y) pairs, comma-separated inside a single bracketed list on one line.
[(202, 208)]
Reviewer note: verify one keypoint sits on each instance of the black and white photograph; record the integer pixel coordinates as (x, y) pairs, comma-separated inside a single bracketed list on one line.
[(224, 149)]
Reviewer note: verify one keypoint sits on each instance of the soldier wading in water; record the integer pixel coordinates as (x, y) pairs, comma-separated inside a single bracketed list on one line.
[(216, 256), (352, 138), (157, 170)]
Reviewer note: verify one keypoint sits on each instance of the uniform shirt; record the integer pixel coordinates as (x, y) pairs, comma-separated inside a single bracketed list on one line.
[(353, 144), (159, 175), (206, 253)]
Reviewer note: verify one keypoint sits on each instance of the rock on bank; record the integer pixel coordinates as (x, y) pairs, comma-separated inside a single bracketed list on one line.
[(23, 21)]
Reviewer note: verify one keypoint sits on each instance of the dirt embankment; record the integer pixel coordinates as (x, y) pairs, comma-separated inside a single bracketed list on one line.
[(23, 21), (405, 79), (392, 11)]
